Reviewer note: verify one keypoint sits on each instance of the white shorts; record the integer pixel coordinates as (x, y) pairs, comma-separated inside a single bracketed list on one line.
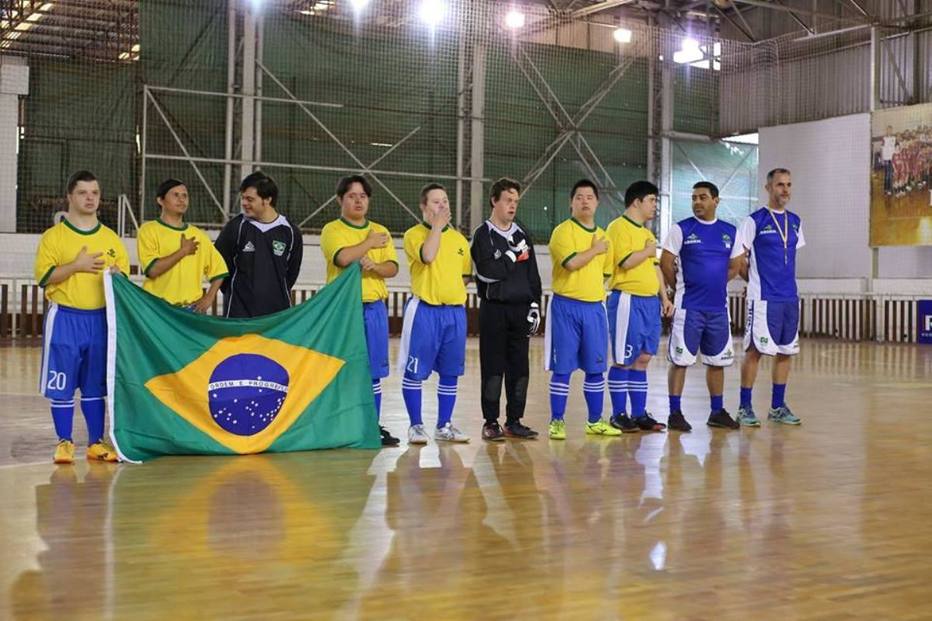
[(701, 333), (772, 327)]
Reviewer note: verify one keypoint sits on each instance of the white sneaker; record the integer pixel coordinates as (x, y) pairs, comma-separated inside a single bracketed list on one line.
[(416, 435), (449, 433)]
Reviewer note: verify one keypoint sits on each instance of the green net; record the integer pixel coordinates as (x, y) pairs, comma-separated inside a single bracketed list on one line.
[(310, 91)]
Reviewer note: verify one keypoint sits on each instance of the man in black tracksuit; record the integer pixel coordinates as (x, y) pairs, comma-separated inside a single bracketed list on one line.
[(510, 290), (263, 252)]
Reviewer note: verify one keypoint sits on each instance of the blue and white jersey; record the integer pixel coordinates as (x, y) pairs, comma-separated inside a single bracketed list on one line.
[(703, 250), (771, 258)]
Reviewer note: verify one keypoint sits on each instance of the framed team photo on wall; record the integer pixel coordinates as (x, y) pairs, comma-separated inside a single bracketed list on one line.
[(901, 175)]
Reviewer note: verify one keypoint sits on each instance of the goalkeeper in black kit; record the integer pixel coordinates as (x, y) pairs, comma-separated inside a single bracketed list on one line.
[(510, 290)]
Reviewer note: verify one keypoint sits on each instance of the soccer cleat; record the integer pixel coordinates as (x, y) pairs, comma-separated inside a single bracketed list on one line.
[(783, 415), (647, 423), (623, 421), (747, 418), (416, 435), (677, 422), (517, 430), (387, 438), (557, 430), (64, 452), (601, 428), (102, 451), (722, 419), (492, 432), (449, 433)]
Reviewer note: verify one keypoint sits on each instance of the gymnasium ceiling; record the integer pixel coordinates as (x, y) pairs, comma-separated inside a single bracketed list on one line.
[(754, 20), (94, 29), (108, 30)]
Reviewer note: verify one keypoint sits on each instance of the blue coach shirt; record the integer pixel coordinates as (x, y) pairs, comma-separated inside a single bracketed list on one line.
[(703, 250), (771, 239)]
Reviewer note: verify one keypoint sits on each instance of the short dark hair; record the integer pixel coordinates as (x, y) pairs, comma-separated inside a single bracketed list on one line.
[(708, 185), (264, 185), (166, 186), (81, 175), (427, 189), (584, 183), (639, 190), (777, 171), (344, 184), (503, 185)]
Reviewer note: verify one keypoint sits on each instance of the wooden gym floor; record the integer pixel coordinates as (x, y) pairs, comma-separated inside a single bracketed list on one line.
[(827, 521)]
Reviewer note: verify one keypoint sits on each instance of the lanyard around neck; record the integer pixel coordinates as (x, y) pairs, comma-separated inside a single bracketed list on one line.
[(784, 232)]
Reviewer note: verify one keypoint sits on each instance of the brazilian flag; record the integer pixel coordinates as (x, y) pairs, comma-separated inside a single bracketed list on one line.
[(186, 384)]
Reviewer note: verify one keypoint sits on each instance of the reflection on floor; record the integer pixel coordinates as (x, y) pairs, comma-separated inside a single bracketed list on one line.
[(825, 521)]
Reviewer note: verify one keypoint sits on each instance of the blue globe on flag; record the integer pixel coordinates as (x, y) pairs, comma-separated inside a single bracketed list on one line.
[(246, 392)]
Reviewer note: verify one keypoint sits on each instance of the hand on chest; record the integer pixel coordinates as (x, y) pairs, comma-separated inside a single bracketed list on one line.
[(104, 252)]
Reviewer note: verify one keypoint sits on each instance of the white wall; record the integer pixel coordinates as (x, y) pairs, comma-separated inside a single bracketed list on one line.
[(830, 161), (906, 262)]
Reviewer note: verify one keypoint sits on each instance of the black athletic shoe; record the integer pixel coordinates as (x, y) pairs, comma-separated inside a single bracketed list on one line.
[(623, 422), (677, 422), (647, 423), (387, 438), (492, 432), (722, 419), (517, 430)]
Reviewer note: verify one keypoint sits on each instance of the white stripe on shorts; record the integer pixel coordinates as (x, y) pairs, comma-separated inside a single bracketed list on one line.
[(407, 325), (46, 346), (548, 335), (623, 312)]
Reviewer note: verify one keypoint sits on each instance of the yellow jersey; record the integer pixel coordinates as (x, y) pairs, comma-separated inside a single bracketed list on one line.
[(340, 234), (441, 280), (627, 237), (586, 284), (61, 245), (181, 284)]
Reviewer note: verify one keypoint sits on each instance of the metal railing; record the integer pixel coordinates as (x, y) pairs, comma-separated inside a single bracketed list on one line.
[(847, 317)]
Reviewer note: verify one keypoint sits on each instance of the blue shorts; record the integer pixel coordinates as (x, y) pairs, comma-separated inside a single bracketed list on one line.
[(634, 322), (433, 338), (74, 354), (375, 316), (701, 332), (772, 327), (576, 336)]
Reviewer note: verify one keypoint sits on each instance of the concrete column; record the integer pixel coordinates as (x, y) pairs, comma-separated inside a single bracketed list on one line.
[(477, 146), (228, 125), (248, 125), (666, 144), (14, 83)]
